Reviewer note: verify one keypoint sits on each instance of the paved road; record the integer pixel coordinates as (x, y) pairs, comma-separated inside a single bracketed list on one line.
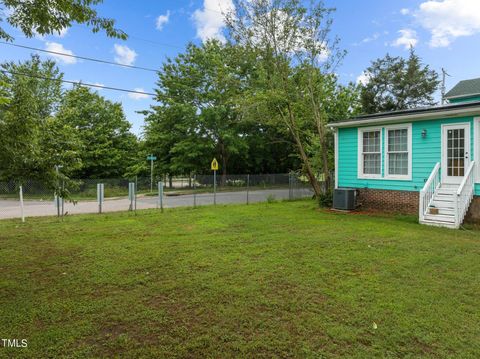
[(11, 208)]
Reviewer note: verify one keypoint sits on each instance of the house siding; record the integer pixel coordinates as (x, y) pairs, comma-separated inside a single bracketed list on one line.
[(426, 152)]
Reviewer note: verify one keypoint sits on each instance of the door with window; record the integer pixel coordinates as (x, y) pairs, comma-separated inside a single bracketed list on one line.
[(455, 152)]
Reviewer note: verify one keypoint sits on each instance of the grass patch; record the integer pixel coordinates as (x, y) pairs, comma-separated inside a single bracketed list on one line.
[(281, 279)]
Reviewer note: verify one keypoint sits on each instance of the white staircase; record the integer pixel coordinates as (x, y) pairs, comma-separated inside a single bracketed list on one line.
[(443, 204)]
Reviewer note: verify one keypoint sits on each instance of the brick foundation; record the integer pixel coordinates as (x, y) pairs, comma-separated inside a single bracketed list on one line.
[(389, 201), (405, 202), (473, 214)]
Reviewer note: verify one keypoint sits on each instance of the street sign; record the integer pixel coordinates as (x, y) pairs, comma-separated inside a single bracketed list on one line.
[(151, 158), (214, 165)]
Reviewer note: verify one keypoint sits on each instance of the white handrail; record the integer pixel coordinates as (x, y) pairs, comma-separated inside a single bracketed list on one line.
[(466, 178), (464, 195), (432, 176), (428, 191)]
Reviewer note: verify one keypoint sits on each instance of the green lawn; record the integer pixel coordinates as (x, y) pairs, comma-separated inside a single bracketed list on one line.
[(268, 280)]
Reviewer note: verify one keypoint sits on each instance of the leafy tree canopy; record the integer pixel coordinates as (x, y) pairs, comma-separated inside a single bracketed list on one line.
[(46, 17), (33, 141), (396, 83), (108, 146)]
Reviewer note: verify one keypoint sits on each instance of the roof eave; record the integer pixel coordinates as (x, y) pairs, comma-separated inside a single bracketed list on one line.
[(462, 96), (409, 117)]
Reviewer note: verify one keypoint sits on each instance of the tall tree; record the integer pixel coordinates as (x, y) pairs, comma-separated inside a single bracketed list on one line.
[(108, 146), (396, 83), (296, 56), (46, 17), (197, 117), (33, 141)]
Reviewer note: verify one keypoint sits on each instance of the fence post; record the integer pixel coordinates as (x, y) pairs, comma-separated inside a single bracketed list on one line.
[(21, 204), (100, 188), (290, 186), (63, 199), (131, 194), (135, 194), (248, 187), (194, 191), (57, 202), (160, 195)]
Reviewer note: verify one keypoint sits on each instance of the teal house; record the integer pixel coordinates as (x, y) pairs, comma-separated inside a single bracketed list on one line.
[(423, 160)]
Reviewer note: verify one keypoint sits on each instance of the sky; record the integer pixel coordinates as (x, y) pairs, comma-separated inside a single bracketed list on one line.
[(445, 33)]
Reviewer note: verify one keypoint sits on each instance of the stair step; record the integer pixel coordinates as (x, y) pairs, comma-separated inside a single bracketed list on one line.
[(443, 198), (439, 224), (446, 211), (450, 185), (446, 191), (440, 218), (442, 204)]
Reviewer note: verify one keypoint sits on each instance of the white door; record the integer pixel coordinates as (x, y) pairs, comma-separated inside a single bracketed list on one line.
[(455, 152)]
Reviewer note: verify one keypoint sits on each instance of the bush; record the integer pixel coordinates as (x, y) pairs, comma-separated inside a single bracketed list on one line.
[(326, 199), (271, 198)]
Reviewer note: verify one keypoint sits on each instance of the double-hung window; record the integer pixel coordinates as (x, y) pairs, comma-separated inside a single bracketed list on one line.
[(370, 147), (398, 152), (390, 160)]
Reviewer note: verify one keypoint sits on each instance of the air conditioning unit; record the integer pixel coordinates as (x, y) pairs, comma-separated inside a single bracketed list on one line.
[(345, 199)]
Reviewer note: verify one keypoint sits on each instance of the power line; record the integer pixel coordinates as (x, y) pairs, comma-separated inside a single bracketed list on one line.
[(79, 83), (79, 57)]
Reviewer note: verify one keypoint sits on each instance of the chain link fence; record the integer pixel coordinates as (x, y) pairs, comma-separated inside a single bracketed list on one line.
[(32, 199)]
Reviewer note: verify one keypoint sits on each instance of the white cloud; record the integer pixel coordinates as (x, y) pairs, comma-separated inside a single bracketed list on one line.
[(368, 39), (407, 38), (448, 19), (405, 11), (210, 21), (124, 55), (162, 20), (56, 47), (138, 96), (363, 78)]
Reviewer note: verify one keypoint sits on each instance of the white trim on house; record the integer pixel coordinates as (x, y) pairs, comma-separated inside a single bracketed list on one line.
[(462, 96), (433, 115), (407, 177), (445, 177), (335, 139), (476, 146), (360, 173)]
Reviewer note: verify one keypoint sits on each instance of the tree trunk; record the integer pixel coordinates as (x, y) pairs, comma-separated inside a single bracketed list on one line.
[(303, 155)]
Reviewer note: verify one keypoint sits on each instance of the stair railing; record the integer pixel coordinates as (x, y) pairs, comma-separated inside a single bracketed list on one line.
[(428, 191), (465, 194)]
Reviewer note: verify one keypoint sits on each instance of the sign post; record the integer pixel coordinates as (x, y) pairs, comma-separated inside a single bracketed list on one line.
[(214, 167), (151, 158)]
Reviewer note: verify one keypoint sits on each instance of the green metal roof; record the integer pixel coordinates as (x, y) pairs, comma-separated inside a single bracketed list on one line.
[(465, 88)]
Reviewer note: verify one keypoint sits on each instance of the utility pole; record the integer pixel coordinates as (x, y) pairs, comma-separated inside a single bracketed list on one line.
[(443, 89)]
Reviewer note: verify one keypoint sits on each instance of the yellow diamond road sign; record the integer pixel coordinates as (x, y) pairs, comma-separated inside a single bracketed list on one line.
[(214, 165)]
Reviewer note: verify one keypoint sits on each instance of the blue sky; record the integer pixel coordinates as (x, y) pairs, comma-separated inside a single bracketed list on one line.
[(445, 33)]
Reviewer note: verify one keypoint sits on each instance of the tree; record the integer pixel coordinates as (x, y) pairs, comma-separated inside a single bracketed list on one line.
[(45, 17), (108, 146), (295, 58), (197, 116), (395, 83), (33, 141)]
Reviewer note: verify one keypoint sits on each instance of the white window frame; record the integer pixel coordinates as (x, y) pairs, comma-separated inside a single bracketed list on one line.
[(476, 146), (408, 176), (360, 173)]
